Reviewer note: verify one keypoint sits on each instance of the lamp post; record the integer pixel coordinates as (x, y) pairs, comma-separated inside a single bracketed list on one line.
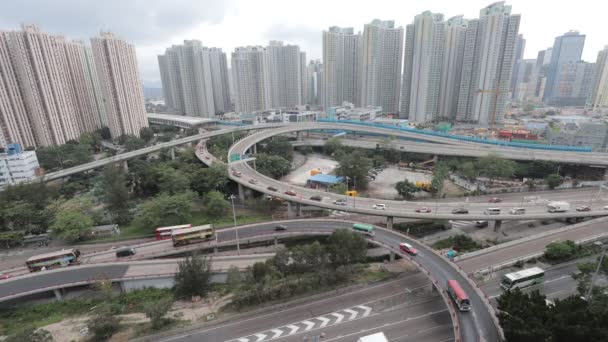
[(238, 247)]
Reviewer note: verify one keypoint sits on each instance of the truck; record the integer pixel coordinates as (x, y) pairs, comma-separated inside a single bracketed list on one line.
[(558, 207)]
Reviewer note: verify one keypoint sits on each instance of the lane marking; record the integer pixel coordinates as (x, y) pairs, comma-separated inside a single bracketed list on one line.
[(293, 328), (276, 332), (353, 314), (308, 324), (324, 320), (366, 310), (261, 337), (340, 317)]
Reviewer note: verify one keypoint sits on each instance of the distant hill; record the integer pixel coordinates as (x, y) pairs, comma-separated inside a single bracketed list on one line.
[(153, 93)]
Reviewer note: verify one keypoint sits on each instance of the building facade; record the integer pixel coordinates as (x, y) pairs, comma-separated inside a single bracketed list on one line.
[(250, 79), (284, 67), (573, 84), (520, 46), (314, 76), (451, 70), (340, 66), (380, 59), (567, 48), (598, 95), (123, 97), (17, 166)]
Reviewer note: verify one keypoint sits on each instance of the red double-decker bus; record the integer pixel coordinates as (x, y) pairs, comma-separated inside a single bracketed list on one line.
[(164, 233), (458, 295)]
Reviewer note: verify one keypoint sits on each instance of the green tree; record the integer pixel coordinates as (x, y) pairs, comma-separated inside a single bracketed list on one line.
[(338, 188), (17, 215), (156, 312), (193, 277), (132, 143), (272, 166), (146, 133), (355, 166), (279, 146), (72, 225), (468, 170), (406, 189), (332, 145), (116, 194), (204, 180), (524, 317), (281, 261), (560, 250), (234, 278), (11, 239), (346, 247), (492, 166), (165, 210), (103, 325), (440, 172), (215, 204), (170, 180), (553, 181)]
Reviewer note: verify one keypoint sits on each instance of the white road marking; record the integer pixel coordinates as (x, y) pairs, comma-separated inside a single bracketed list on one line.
[(276, 332), (261, 337), (243, 340), (293, 328), (353, 314), (340, 317), (308, 324), (324, 320), (366, 309)]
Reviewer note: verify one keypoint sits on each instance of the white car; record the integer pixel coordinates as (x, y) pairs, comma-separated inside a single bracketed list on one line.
[(605, 207), (379, 206)]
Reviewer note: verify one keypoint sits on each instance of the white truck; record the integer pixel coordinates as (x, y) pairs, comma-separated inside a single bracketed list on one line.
[(558, 207)]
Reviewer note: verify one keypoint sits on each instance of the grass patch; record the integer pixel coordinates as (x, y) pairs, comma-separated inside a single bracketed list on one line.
[(371, 275), (460, 243)]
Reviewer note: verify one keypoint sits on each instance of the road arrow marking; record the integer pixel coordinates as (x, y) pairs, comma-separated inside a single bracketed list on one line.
[(324, 320), (293, 328), (308, 324), (340, 317), (353, 314), (276, 332), (366, 309), (243, 340), (261, 337)]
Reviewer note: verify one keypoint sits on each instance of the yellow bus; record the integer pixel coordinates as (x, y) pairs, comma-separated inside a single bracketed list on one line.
[(192, 235)]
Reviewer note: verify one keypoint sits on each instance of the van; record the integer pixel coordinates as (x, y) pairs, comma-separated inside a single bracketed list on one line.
[(481, 224), (492, 211), (125, 252), (517, 211)]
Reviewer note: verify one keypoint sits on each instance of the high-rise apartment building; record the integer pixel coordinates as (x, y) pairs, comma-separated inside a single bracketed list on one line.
[(573, 84), (340, 66), (567, 48), (520, 46), (423, 60), (250, 79), (314, 75), (523, 79), (380, 60), (487, 65), (598, 95), (195, 79), (122, 90), (284, 67), (303, 77), (451, 70)]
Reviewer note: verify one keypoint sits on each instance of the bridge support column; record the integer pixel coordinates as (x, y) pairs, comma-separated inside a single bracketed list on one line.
[(215, 250), (299, 135), (241, 192), (497, 225), (276, 241), (389, 222), (125, 166), (172, 153), (255, 148), (391, 256), (58, 294), (298, 210), (290, 213)]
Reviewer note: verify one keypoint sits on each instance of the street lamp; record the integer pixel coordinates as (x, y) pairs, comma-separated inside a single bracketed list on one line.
[(238, 247)]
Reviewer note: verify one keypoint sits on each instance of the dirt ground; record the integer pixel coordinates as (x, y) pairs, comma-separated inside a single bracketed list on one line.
[(384, 184), (300, 175)]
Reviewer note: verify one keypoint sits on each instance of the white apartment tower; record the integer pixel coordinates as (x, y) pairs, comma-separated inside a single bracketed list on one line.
[(598, 96), (250, 79), (340, 66), (423, 60), (314, 75), (487, 65), (451, 69), (122, 90), (380, 59), (284, 66), (304, 79)]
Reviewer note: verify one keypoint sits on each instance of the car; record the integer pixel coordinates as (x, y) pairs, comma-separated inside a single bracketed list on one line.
[(423, 210), (290, 193), (253, 181), (605, 207), (4, 276), (280, 228), (583, 208), (407, 248), (379, 206), (340, 202), (316, 198), (460, 211), (272, 188), (494, 200), (517, 211), (481, 224), (237, 174)]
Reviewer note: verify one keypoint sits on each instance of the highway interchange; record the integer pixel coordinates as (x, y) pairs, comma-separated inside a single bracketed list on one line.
[(477, 325)]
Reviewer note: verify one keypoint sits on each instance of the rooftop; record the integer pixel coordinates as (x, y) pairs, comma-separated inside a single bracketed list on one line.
[(180, 118), (328, 179)]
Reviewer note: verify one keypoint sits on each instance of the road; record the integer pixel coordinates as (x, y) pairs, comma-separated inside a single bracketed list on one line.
[(405, 309), (242, 173)]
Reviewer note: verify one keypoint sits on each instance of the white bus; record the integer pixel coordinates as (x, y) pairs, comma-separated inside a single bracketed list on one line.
[(523, 278)]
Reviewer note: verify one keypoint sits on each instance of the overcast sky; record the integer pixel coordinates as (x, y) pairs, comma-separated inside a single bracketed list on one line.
[(153, 25)]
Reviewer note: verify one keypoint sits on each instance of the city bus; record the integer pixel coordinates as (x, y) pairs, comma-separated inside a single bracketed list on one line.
[(365, 229), (62, 258), (523, 278), (164, 233), (457, 294), (187, 236)]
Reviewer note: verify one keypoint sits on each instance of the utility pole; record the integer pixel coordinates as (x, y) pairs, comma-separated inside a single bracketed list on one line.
[(238, 247)]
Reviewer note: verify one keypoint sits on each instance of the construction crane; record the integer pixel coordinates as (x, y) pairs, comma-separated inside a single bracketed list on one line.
[(496, 93)]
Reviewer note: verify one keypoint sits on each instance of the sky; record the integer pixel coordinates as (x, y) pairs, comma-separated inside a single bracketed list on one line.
[(154, 25)]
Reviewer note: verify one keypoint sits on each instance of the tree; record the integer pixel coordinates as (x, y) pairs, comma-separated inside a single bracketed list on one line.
[(338, 188), (170, 180), (72, 225), (356, 167), (10, 239), (560, 250), (234, 278), (406, 189), (281, 261), (208, 179), (132, 143), (468, 170), (193, 276), (215, 204), (279, 146), (272, 166), (332, 145), (156, 312), (17, 215), (146, 133), (103, 325), (346, 247), (440, 172), (553, 181), (524, 317), (492, 166), (116, 194), (165, 210)]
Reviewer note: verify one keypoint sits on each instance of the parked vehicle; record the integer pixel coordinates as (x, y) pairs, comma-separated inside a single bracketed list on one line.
[(423, 210), (379, 206), (460, 211), (517, 211), (407, 248), (492, 211), (558, 207)]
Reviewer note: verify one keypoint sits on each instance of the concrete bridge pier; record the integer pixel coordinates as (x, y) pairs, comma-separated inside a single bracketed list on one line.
[(389, 222), (299, 135), (392, 256), (290, 213), (173, 153), (298, 210), (276, 241), (255, 148), (241, 192), (497, 225), (58, 294), (125, 166)]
